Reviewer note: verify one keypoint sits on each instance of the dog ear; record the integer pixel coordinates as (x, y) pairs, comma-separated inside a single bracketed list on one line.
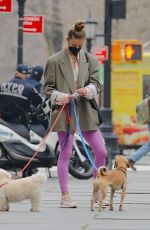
[(5, 174), (115, 163), (8, 176), (127, 164)]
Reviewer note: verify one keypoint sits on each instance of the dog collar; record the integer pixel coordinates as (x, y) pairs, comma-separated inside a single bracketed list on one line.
[(2, 185), (121, 169)]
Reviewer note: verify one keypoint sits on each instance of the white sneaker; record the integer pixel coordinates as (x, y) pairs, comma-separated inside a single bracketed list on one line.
[(67, 202)]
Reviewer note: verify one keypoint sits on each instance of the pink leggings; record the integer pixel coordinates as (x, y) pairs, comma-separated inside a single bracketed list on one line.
[(94, 138)]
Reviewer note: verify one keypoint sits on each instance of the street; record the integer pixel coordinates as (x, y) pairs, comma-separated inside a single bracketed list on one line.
[(135, 215), (65, 64)]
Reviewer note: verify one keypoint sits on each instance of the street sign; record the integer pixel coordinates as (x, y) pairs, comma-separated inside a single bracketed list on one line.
[(33, 24), (102, 54), (5, 6)]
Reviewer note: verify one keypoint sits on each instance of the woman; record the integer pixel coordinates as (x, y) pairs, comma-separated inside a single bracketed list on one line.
[(66, 73)]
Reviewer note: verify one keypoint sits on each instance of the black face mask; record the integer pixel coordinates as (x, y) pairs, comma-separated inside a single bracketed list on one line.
[(74, 50)]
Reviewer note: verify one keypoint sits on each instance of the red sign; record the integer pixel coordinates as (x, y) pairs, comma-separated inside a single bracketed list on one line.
[(33, 24), (102, 54), (5, 6)]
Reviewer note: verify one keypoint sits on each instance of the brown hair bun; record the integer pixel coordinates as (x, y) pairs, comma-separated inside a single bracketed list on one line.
[(77, 31), (79, 26)]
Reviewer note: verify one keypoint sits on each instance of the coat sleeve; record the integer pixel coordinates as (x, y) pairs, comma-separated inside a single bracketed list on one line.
[(93, 72), (49, 78)]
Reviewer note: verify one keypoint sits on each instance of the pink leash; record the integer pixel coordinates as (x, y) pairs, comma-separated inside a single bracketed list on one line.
[(41, 144)]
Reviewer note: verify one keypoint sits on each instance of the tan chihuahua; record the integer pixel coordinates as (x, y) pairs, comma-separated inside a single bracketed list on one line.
[(116, 179)]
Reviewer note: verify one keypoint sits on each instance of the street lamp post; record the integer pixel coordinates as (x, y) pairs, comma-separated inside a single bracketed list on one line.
[(107, 66), (90, 30), (99, 39), (21, 5), (107, 127)]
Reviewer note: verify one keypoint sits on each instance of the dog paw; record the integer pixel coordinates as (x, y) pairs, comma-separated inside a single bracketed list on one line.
[(111, 209), (34, 210)]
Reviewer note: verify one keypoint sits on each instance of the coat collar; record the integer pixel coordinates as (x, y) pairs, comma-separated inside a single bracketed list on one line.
[(66, 68)]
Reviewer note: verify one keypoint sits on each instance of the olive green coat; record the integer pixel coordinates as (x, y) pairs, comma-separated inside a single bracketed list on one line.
[(59, 76)]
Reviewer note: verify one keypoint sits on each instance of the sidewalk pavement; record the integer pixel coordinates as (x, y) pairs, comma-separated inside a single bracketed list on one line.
[(136, 214)]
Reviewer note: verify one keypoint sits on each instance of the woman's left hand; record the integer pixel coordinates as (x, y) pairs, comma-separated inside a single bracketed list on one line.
[(82, 92)]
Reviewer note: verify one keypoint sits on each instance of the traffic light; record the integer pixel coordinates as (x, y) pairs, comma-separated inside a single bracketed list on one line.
[(133, 52), (116, 54)]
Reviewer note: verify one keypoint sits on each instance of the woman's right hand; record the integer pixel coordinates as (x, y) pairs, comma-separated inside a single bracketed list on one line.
[(62, 98)]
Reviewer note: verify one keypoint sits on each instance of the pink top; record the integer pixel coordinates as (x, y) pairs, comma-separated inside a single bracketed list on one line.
[(75, 67)]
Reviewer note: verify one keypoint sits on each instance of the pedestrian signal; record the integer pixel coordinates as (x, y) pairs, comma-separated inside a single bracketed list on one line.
[(133, 52), (116, 54)]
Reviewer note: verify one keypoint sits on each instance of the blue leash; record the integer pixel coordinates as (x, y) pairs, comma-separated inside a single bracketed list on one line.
[(82, 138)]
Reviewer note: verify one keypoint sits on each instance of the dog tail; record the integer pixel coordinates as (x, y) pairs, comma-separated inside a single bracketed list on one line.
[(102, 171), (39, 178)]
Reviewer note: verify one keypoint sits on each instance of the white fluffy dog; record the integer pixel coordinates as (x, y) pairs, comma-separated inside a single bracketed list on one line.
[(18, 190)]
